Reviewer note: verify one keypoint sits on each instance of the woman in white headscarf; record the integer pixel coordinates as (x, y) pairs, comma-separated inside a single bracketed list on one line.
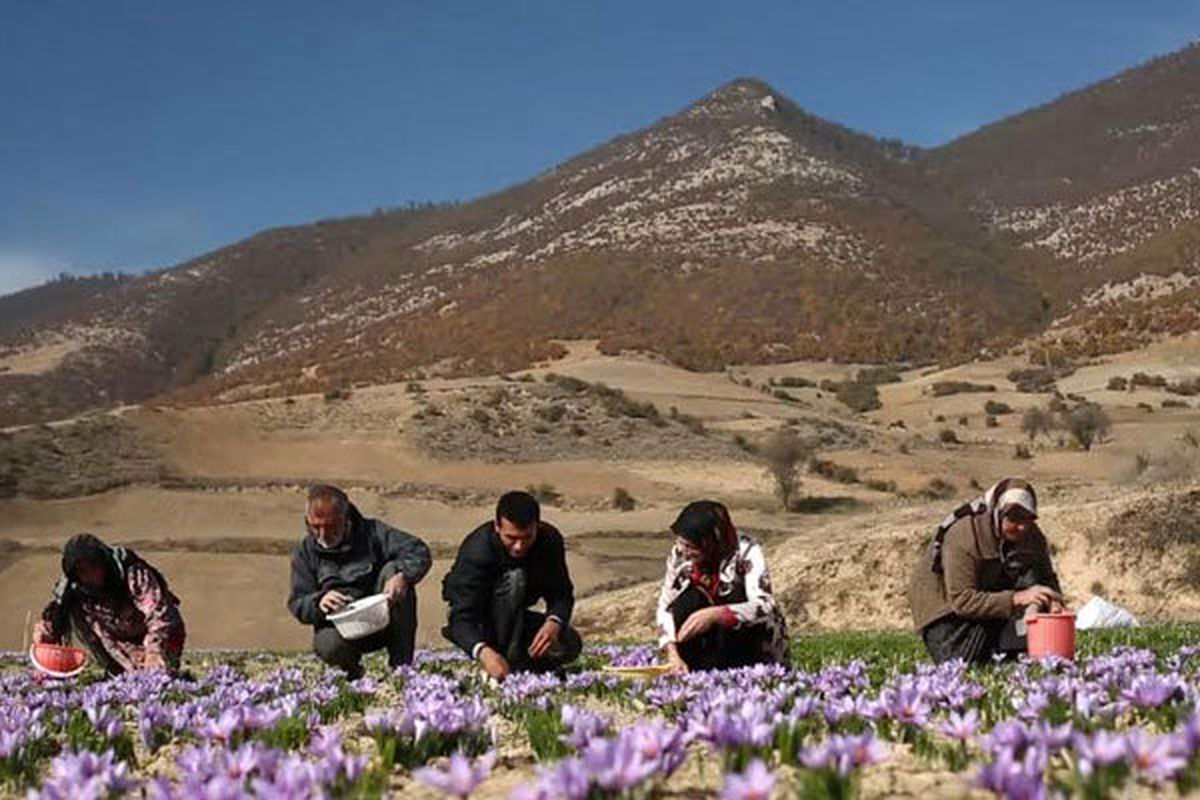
[(987, 565)]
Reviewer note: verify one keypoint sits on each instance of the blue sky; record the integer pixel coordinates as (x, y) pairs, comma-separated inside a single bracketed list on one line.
[(135, 135)]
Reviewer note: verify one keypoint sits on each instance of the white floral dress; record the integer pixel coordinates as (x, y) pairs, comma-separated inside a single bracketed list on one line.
[(743, 574)]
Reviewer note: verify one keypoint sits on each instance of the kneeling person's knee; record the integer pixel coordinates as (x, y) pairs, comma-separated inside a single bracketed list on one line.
[(332, 648)]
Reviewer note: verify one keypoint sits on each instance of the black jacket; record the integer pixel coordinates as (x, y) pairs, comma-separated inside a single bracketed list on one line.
[(353, 566), (470, 584)]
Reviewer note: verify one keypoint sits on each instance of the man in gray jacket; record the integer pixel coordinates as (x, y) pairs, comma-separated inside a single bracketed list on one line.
[(343, 557)]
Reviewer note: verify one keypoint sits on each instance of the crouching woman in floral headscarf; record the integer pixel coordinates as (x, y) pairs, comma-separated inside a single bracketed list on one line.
[(117, 605), (716, 609)]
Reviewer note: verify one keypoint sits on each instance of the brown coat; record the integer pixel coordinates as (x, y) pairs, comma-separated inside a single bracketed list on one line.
[(979, 572)]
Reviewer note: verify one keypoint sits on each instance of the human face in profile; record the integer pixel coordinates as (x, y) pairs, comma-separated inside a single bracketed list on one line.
[(518, 540), (690, 551)]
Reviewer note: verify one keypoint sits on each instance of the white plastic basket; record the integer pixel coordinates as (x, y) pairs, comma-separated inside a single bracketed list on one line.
[(362, 617)]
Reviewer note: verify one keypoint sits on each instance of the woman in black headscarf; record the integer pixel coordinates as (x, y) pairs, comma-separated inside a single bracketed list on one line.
[(716, 609), (117, 605)]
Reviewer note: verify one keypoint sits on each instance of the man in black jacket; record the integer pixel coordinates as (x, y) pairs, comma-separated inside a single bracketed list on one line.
[(503, 567), (345, 557)]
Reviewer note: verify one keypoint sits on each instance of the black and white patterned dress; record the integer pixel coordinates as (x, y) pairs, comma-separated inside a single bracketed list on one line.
[(743, 587)]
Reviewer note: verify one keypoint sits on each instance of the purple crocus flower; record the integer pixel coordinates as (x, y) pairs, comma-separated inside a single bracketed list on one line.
[(907, 706), (1009, 735), (460, 777), (583, 725), (1052, 737), (568, 780), (1189, 734), (86, 775), (961, 727), (616, 765), (1150, 691), (1013, 778), (859, 751), (755, 783), (658, 743), (1156, 757), (1101, 749)]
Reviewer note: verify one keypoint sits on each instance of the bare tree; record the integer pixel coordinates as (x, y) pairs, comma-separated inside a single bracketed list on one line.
[(1037, 420), (1087, 424), (784, 455)]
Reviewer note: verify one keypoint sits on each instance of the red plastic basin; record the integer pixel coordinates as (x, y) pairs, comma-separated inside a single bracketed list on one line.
[(57, 660)]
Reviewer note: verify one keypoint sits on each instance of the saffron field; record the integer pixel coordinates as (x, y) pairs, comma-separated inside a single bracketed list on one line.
[(856, 714)]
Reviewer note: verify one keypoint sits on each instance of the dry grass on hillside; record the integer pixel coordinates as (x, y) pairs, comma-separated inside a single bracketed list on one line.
[(83, 457), (560, 418)]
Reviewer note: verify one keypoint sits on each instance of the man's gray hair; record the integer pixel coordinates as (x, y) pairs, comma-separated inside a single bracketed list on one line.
[(325, 493)]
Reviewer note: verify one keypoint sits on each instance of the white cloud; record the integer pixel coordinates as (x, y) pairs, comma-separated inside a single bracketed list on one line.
[(23, 269)]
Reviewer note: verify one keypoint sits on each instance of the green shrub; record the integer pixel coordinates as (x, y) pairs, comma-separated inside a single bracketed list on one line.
[(833, 471), (1036, 421), (947, 388), (1034, 380), (783, 454), (551, 413), (545, 493), (879, 485), (622, 500), (567, 382), (860, 397), (1148, 381), (1188, 387), (938, 489), (1087, 424), (692, 423), (878, 375)]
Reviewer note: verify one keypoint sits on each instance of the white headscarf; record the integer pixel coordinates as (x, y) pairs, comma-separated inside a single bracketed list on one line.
[(995, 502)]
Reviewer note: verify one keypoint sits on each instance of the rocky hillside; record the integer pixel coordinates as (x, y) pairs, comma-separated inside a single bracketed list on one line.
[(741, 229), (1106, 182)]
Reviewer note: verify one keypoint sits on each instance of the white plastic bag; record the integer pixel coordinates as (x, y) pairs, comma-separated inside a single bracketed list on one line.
[(1099, 613)]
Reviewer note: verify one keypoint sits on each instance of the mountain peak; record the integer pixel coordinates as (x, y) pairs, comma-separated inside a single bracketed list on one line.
[(737, 98)]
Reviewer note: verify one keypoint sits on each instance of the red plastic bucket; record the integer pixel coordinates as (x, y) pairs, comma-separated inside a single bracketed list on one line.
[(1051, 635)]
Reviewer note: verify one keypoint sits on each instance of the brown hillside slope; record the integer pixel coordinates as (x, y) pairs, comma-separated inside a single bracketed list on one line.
[(739, 229)]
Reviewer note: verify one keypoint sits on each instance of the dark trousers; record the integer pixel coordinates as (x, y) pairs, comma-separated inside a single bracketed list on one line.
[(977, 641), (718, 647), (399, 637), (513, 626)]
